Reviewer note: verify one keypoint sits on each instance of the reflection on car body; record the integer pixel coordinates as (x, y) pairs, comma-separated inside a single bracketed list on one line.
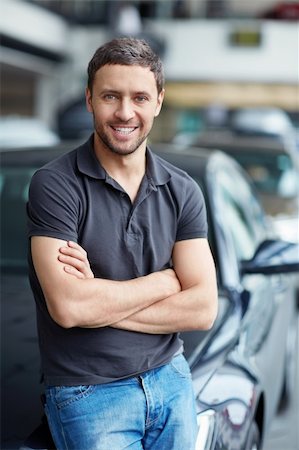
[(239, 367)]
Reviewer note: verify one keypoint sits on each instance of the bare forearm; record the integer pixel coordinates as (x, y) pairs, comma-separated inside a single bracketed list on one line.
[(95, 303), (188, 310), (135, 305), (91, 302)]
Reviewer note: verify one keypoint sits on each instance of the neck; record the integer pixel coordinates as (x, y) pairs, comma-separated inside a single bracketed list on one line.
[(118, 163), (127, 170)]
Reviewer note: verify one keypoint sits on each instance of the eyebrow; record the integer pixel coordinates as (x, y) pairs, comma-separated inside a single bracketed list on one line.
[(114, 91), (109, 91)]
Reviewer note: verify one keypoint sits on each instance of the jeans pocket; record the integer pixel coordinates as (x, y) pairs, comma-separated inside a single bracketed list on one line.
[(65, 395), (180, 366)]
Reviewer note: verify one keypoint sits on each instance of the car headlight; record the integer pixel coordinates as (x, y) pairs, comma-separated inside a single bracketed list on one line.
[(206, 430)]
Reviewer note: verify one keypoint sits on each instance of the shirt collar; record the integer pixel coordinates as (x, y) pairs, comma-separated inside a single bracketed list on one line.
[(87, 161), (156, 170), (89, 165)]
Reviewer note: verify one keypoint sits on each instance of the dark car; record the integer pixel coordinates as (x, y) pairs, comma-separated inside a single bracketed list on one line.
[(285, 10), (240, 367)]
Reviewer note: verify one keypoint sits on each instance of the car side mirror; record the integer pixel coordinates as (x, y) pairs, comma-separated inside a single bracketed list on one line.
[(273, 256)]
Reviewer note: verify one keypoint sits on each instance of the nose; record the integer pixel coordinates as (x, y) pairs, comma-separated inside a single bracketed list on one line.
[(125, 110)]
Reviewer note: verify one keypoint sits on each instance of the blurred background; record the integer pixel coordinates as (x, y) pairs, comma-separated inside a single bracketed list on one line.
[(219, 55), (232, 72)]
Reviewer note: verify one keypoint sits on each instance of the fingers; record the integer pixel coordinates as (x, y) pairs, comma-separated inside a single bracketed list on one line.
[(72, 244), (73, 261), (75, 258), (72, 271), (74, 250)]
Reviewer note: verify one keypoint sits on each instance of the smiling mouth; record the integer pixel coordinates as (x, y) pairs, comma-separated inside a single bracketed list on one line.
[(124, 130)]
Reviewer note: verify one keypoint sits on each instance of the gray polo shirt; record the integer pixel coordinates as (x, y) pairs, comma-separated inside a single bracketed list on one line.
[(73, 198)]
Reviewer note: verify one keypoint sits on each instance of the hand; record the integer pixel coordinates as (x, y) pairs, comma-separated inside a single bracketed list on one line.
[(75, 259), (171, 280)]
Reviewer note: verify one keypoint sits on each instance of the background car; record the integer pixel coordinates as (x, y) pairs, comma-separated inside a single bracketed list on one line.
[(73, 121), (263, 121), (21, 131), (238, 379), (286, 10)]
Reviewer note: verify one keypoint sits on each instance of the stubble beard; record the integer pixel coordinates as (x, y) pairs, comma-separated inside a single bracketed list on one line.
[(119, 150)]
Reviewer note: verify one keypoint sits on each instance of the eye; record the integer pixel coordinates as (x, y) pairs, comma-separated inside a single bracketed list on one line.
[(109, 97), (141, 98)]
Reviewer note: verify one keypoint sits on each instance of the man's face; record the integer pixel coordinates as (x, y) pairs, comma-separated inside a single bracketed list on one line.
[(124, 103)]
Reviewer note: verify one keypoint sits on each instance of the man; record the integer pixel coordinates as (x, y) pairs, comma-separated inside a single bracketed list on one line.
[(111, 356)]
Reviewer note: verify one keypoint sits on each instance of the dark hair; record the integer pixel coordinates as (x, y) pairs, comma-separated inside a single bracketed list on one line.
[(127, 52)]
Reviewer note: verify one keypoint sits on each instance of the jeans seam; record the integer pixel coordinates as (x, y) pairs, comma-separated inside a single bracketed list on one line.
[(75, 398), (148, 421), (50, 422), (186, 375)]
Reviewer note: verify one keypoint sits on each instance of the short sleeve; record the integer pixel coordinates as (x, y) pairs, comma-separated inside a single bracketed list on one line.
[(193, 218), (53, 207)]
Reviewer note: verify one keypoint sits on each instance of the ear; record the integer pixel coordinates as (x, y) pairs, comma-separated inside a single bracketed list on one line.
[(159, 102), (88, 100)]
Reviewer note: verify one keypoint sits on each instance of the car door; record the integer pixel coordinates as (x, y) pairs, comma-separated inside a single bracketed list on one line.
[(267, 316)]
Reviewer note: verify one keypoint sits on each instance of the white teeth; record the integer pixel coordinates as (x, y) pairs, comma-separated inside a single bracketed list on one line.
[(124, 130)]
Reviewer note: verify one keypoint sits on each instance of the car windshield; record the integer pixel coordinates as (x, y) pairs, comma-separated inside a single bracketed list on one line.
[(272, 174), (14, 185)]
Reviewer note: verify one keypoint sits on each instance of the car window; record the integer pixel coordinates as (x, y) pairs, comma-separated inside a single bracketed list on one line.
[(242, 214), (14, 194), (271, 173)]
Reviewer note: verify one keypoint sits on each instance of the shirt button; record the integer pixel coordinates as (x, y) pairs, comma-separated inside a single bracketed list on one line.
[(122, 194)]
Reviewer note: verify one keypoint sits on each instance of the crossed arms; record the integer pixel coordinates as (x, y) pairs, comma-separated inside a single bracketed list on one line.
[(167, 301)]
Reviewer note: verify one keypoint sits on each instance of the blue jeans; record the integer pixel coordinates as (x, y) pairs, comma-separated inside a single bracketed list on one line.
[(153, 411)]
